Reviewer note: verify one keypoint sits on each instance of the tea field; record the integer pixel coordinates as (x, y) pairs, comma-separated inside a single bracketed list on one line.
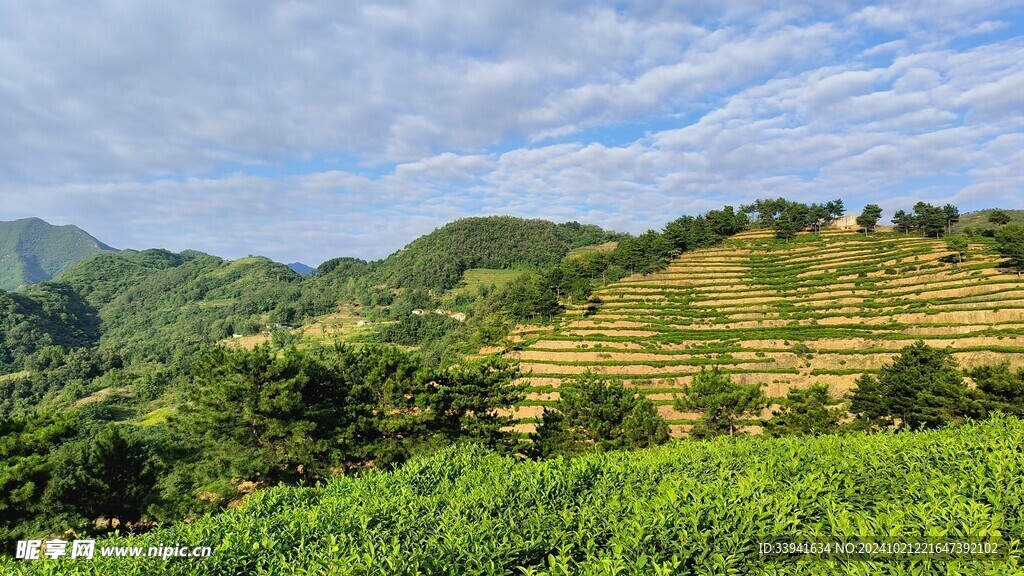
[(684, 508), (821, 308)]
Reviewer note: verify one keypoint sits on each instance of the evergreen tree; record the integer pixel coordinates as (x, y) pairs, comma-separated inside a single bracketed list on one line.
[(818, 216), (1010, 244), (792, 218), (869, 402), (722, 403), (959, 245), (595, 413), (809, 411), (931, 221), (835, 210), (869, 217), (110, 475), (471, 401), (903, 221), (922, 388), (999, 217), (1000, 388), (553, 437), (952, 214)]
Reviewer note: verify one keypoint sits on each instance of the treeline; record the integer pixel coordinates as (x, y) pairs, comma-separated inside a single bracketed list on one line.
[(575, 278), (927, 219), (250, 418), (787, 217), (923, 388)]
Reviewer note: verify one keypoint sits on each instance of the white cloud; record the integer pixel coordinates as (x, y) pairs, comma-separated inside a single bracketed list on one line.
[(305, 130)]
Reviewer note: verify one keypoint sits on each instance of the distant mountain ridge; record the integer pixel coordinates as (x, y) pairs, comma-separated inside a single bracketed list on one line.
[(33, 251), (300, 268)]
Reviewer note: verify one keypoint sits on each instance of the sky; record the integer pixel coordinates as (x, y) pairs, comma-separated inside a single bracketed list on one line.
[(311, 130)]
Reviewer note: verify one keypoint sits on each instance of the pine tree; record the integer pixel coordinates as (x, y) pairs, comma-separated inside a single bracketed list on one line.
[(722, 403), (1010, 244), (810, 411), (869, 217)]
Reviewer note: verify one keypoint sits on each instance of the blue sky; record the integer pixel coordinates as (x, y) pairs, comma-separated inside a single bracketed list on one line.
[(309, 130)]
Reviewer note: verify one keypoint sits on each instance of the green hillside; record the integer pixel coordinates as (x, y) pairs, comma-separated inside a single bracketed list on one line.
[(819, 309), (685, 508), (156, 303), (439, 259), (33, 251), (43, 315), (979, 221)]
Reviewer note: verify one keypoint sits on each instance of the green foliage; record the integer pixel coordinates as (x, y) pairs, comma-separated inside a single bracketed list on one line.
[(272, 415), (439, 259), (26, 445), (787, 218), (1010, 244), (109, 475), (683, 508), (33, 251), (903, 221), (1000, 388), (102, 277), (413, 329), (593, 413), (922, 388), (43, 315), (280, 416), (171, 305), (999, 217), (959, 245), (931, 220), (530, 296), (869, 217), (50, 371), (721, 402), (464, 402), (810, 411)]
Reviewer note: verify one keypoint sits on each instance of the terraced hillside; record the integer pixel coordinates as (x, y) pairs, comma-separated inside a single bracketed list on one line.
[(822, 308)]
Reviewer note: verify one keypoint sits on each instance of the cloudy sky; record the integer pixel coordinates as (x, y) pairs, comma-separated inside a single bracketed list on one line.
[(309, 130)]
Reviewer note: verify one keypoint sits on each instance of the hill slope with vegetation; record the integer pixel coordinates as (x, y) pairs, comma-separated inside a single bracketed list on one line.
[(33, 251), (438, 260), (786, 313)]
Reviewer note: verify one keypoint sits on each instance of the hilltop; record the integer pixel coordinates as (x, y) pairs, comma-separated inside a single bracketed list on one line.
[(437, 261), (979, 220), (33, 251), (822, 308)]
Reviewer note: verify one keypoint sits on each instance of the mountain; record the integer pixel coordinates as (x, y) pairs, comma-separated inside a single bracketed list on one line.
[(156, 303), (301, 269), (824, 308), (33, 251)]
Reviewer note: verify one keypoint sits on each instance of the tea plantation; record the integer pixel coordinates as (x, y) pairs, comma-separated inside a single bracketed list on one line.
[(821, 308), (683, 508)]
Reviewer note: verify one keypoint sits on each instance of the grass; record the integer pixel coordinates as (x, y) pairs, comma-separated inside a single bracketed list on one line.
[(476, 278), (158, 416), (584, 250), (15, 376)]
